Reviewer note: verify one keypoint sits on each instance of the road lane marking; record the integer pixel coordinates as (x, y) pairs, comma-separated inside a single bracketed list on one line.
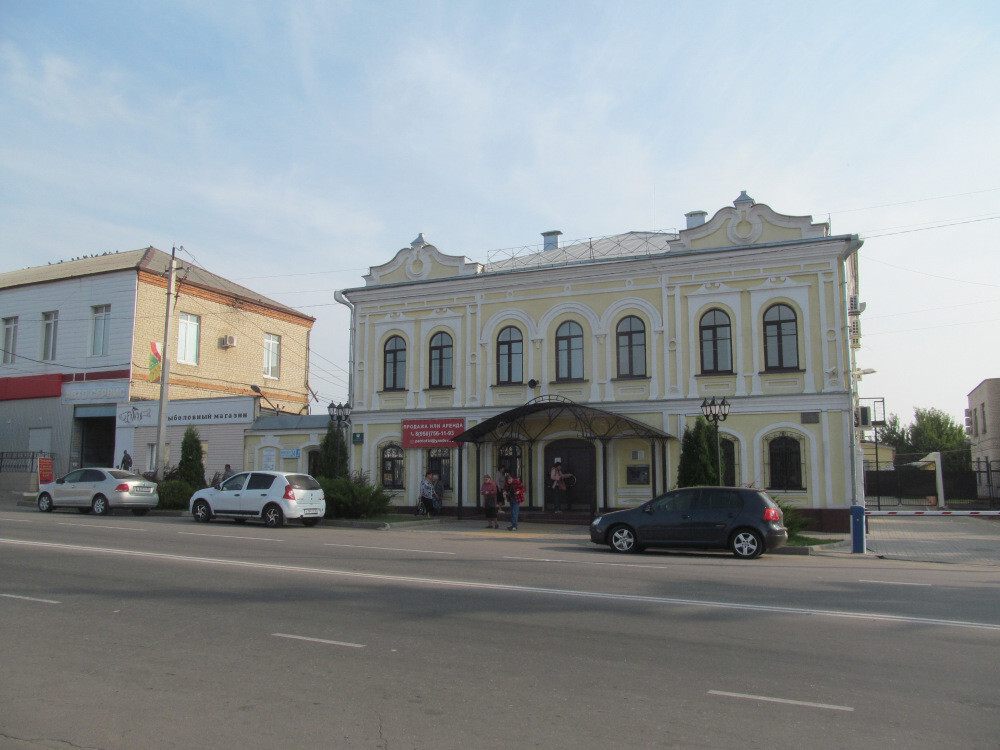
[(101, 526), (29, 599), (231, 536), (587, 562), (786, 701), (896, 583), (318, 640), (390, 549), (513, 588)]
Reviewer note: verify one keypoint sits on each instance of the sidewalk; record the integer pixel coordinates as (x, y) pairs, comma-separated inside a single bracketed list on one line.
[(940, 539)]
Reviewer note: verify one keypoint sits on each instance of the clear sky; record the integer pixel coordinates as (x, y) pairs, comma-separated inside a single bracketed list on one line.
[(291, 145)]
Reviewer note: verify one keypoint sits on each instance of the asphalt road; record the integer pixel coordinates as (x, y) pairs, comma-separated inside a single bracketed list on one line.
[(157, 632)]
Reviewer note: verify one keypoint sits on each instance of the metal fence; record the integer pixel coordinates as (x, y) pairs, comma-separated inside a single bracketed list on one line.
[(21, 461), (914, 486)]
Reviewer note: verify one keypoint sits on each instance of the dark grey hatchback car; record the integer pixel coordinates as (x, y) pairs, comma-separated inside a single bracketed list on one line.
[(742, 520)]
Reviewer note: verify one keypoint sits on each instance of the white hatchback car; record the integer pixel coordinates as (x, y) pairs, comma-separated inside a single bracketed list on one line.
[(270, 496), (99, 491)]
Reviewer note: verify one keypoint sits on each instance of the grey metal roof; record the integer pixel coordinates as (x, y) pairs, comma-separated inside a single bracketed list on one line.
[(147, 259), (274, 423)]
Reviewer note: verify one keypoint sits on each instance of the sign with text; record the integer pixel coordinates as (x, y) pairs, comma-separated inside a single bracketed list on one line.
[(45, 475), (238, 410), (431, 433)]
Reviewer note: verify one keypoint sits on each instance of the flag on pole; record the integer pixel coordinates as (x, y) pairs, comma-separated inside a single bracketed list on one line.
[(155, 361)]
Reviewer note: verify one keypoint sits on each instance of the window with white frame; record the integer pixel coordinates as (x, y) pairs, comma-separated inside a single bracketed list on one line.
[(272, 355), (9, 340), (100, 330), (188, 338), (50, 328)]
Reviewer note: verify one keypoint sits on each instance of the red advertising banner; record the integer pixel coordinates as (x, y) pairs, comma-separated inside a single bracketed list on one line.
[(431, 433), (45, 470)]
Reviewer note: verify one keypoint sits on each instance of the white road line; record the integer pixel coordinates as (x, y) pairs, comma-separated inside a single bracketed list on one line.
[(231, 536), (19, 520), (101, 526), (318, 640), (895, 583), (587, 562), (768, 699), (512, 588), (29, 599), (390, 549)]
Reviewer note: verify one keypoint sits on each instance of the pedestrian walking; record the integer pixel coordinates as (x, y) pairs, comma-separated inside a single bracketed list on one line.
[(426, 492), (558, 478), (515, 496), (126, 464), (488, 489)]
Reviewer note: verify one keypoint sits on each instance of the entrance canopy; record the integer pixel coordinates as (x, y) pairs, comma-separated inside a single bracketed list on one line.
[(529, 422)]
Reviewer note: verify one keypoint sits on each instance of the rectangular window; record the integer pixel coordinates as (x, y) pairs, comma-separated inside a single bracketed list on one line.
[(9, 340), (272, 355), (188, 335), (50, 328), (100, 330), (983, 408)]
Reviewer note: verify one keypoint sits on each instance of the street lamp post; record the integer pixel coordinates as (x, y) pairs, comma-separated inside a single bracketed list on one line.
[(340, 415), (716, 411)]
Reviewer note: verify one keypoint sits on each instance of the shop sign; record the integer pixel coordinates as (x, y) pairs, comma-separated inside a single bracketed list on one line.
[(291, 452), (357, 438), (431, 433), (200, 411), (95, 392), (45, 475)]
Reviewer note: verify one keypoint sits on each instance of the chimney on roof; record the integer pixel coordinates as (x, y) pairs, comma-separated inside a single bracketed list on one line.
[(551, 240), (695, 218)]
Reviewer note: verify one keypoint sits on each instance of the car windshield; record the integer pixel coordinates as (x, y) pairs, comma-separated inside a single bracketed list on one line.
[(302, 482), (119, 474)]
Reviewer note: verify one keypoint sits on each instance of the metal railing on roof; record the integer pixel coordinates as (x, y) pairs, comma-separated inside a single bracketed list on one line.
[(627, 245)]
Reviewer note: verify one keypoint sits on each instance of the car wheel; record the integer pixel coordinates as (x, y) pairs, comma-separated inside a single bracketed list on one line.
[(310, 521), (140, 511), (747, 544), (45, 502), (100, 505), (201, 511), (273, 517), (622, 539)]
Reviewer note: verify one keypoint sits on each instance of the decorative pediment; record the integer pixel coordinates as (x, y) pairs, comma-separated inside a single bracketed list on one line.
[(748, 223), (420, 261)]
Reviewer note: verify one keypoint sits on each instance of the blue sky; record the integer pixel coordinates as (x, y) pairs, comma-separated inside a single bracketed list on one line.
[(290, 145)]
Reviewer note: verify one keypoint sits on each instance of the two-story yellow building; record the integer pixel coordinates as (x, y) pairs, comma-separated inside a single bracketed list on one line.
[(599, 353)]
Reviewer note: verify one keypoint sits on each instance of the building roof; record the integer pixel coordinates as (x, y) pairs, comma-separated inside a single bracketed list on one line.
[(149, 260)]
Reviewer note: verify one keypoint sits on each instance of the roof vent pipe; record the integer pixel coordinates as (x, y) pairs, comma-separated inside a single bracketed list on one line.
[(551, 240), (695, 218)]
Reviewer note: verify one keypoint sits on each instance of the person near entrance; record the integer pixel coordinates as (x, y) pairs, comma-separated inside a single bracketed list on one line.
[(488, 489), (559, 477), (515, 496), (126, 464), (427, 494)]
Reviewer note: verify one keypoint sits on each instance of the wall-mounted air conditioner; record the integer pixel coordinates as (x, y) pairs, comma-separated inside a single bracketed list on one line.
[(227, 342)]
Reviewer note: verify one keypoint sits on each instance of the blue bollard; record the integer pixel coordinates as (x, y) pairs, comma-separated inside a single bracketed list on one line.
[(858, 545)]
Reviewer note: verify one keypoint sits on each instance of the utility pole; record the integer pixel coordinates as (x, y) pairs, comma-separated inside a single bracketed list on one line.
[(161, 425)]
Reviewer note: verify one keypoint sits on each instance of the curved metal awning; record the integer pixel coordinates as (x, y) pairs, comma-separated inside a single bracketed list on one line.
[(529, 422)]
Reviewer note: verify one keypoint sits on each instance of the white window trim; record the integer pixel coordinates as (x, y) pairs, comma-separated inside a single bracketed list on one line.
[(49, 348), (105, 318), (272, 343), (185, 321)]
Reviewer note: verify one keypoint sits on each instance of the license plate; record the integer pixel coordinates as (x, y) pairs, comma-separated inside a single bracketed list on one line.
[(142, 489), (310, 512)]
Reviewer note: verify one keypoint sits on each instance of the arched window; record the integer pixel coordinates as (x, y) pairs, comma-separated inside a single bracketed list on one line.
[(716, 343), (510, 356), (441, 355), (730, 465), (395, 364), (784, 460), (392, 467), (631, 344), (569, 351), (781, 339)]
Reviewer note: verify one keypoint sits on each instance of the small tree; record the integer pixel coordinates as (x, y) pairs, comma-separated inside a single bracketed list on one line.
[(695, 466), (333, 453), (191, 469), (932, 430)]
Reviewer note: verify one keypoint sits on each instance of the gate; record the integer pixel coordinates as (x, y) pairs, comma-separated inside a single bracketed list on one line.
[(908, 485)]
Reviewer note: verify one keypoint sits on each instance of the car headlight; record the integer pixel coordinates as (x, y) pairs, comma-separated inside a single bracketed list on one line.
[(596, 521)]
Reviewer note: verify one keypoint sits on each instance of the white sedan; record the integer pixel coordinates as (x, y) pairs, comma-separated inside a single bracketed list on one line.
[(270, 496), (99, 490)]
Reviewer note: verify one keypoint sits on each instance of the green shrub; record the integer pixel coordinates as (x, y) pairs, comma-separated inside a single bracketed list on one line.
[(795, 522), (354, 497), (174, 494), (191, 467)]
